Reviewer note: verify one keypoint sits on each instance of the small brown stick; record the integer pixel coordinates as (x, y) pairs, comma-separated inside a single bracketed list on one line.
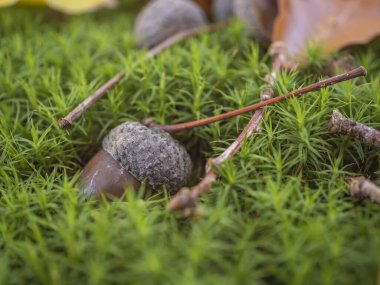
[(183, 35), (341, 125), (187, 199), (363, 188), (185, 202), (360, 71), (68, 120)]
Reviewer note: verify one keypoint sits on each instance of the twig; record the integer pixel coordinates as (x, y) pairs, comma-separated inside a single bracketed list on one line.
[(360, 71), (362, 188), (341, 125), (183, 35), (187, 199), (68, 120)]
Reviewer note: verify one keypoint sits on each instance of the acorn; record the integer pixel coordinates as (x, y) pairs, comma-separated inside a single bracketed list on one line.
[(133, 153), (222, 9), (161, 19), (258, 17)]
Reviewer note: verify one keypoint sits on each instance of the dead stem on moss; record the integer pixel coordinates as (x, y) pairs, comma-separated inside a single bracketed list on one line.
[(341, 125), (68, 120), (360, 71), (185, 202)]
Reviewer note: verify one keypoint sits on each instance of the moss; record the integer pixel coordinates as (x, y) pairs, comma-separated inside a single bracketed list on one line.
[(280, 214)]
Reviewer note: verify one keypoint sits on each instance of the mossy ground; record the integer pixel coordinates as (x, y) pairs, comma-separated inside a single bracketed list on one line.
[(280, 213)]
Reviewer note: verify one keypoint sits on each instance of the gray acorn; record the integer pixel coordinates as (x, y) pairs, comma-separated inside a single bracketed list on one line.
[(222, 9), (133, 153), (257, 15), (161, 19)]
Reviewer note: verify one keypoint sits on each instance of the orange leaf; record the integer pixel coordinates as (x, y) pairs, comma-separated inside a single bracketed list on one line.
[(330, 24)]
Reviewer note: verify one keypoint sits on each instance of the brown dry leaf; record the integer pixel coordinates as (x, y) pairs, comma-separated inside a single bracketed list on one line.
[(330, 24)]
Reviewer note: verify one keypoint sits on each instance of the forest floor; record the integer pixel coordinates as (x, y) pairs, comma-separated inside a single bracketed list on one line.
[(280, 212)]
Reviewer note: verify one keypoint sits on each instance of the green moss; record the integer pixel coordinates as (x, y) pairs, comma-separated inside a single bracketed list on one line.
[(280, 213)]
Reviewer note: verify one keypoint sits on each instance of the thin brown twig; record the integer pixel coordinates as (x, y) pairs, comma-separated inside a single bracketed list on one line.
[(68, 120), (360, 71), (187, 199), (183, 35)]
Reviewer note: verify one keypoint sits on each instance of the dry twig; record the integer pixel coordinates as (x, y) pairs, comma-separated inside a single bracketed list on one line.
[(363, 188), (185, 201), (360, 71), (341, 125), (68, 120)]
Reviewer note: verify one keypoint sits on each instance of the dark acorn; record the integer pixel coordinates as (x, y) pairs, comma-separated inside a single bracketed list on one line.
[(133, 153)]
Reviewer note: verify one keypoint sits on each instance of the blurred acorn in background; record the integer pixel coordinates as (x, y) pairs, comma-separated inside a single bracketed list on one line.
[(162, 18), (222, 9), (257, 15)]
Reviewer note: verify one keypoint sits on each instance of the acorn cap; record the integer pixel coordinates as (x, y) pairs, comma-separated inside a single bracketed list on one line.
[(162, 18), (149, 154)]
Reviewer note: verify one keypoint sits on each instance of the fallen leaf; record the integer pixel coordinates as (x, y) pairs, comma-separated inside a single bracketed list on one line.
[(66, 6), (32, 2), (76, 6), (4, 3), (329, 24)]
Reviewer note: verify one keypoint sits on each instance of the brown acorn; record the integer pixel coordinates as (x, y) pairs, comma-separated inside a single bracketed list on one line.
[(161, 19), (257, 15), (133, 153)]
